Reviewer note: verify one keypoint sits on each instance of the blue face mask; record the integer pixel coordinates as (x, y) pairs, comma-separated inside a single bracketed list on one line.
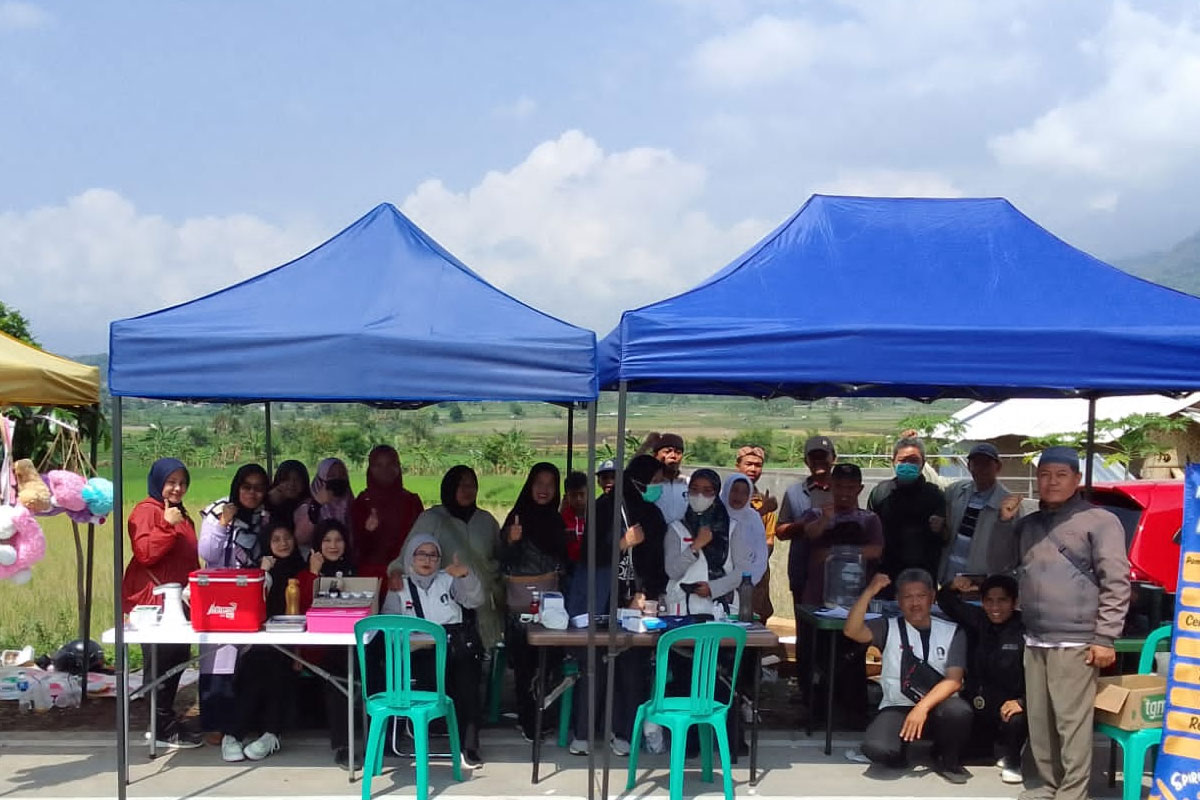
[(906, 472), (652, 493)]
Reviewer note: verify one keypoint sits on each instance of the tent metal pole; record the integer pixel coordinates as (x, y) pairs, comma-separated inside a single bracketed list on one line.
[(614, 555), (86, 633), (1091, 448), (570, 437), (122, 663), (270, 449), (590, 667)]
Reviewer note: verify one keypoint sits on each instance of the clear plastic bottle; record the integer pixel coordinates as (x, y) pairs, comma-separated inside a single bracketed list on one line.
[(844, 575), (745, 595), (25, 695)]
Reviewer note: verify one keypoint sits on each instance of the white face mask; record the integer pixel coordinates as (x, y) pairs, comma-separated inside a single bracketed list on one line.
[(700, 503)]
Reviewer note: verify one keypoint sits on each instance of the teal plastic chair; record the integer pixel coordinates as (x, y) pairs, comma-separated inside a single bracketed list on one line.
[(399, 699), (1134, 744), (700, 707)]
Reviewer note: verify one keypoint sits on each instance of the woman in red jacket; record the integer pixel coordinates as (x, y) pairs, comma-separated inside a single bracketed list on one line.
[(382, 514), (163, 544)]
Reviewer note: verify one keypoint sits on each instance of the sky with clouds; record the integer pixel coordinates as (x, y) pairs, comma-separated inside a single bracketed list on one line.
[(584, 156)]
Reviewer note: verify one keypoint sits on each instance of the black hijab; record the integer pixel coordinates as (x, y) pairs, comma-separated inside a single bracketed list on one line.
[(450, 482), (541, 525), (287, 508), (716, 519), (345, 564), (646, 559), (283, 570)]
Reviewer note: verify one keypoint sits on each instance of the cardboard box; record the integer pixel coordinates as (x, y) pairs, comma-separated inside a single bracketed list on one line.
[(338, 614), (1131, 702)]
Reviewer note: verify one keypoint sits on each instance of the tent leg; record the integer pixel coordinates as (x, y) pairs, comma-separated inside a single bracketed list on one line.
[(270, 449), (1091, 448), (613, 556), (590, 667), (570, 437), (118, 528), (86, 632)]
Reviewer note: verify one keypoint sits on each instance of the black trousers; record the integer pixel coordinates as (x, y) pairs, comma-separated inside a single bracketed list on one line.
[(989, 732), (464, 672), (169, 655), (633, 673), (948, 725), (265, 687), (218, 702), (523, 659)]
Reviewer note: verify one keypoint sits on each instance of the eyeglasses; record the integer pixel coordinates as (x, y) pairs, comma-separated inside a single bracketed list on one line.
[(427, 556)]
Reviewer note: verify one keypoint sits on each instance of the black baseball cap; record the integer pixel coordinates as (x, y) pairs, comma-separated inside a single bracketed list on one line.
[(819, 443), (985, 449), (846, 472)]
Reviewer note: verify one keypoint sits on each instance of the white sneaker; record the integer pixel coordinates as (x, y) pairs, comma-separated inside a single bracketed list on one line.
[(655, 741), (578, 747), (262, 747), (619, 746), (231, 748), (1011, 775), (856, 756)]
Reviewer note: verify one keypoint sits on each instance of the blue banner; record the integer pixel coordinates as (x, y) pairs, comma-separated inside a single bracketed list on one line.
[(1177, 773)]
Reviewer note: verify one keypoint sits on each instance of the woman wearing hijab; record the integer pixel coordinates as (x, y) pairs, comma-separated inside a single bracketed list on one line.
[(232, 529), (163, 549), (231, 535), (641, 576), (470, 534), (383, 514), (749, 531), (289, 489), (704, 553), (265, 681), (444, 595), (533, 556), (330, 499)]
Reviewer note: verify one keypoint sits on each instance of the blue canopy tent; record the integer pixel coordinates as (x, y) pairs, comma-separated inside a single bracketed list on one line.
[(380, 313), (920, 298)]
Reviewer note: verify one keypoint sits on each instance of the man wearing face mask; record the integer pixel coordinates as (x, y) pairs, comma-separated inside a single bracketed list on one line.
[(672, 498), (913, 513)]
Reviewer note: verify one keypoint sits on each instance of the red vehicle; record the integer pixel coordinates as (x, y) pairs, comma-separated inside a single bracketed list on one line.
[(1152, 514)]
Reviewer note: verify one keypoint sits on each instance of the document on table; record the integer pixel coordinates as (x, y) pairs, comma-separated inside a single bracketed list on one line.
[(837, 612)]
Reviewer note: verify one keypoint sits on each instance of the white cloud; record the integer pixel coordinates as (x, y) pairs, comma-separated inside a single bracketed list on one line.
[(16, 15), (913, 48), (581, 233), (890, 183), (1139, 123), (521, 108), (73, 268)]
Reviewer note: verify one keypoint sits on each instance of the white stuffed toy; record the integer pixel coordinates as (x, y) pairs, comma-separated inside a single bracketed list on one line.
[(22, 543)]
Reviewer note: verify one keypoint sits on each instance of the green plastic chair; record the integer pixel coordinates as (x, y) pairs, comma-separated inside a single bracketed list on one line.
[(399, 699), (700, 707), (1134, 744)]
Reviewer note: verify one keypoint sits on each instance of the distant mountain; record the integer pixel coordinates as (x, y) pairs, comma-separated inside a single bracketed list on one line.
[(1178, 267)]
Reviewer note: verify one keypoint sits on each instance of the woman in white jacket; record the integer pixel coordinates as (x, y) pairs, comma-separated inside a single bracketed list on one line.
[(448, 597)]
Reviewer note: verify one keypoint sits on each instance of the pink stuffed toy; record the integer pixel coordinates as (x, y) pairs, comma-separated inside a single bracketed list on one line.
[(21, 543), (66, 489)]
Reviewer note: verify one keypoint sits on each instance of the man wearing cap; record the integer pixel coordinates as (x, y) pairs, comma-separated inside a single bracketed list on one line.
[(982, 516), (812, 492), (1074, 588), (750, 460), (606, 476), (673, 502)]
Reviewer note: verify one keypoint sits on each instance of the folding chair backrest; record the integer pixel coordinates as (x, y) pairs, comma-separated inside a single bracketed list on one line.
[(706, 639), (398, 632)]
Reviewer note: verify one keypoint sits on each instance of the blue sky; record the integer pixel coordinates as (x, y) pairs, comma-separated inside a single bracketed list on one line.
[(586, 156)]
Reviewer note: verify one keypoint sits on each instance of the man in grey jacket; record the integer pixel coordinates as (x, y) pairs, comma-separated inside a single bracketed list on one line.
[(1074, 575), (982, 515)]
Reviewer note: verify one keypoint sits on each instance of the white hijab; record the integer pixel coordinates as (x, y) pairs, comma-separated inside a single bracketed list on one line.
[(749, 527)]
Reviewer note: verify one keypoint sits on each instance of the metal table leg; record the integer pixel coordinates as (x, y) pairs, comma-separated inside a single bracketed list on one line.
[(153, 701), (756, 663), (350, 711), (539, 693), (808, 664), (833, 643)]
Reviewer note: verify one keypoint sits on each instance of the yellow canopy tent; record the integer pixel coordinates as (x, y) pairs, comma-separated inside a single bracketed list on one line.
[(33, 377)]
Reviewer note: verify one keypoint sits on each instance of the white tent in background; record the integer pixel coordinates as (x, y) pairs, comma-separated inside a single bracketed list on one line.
[(1028, 418)]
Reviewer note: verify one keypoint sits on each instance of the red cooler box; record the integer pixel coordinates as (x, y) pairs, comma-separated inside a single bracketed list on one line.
[(228, 599)]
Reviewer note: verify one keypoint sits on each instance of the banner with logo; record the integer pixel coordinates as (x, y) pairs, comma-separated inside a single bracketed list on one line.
[(1177, 773)]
